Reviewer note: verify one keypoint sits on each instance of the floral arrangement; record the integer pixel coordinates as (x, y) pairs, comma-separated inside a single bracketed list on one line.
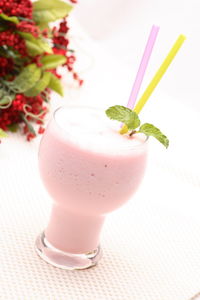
[(30, 52)]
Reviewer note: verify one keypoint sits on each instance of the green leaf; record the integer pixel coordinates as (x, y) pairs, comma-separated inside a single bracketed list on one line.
[(9, 19), (52, 61), (26, 79), (6, 98), (125, 115), (43, 26), (26, 35), (55, 85), (49, 11), (25, 19), (13, 127), (44, 46), (35, 46), (3, 133), (4, 101), (151, 130), (12, 54), (30, 127), (39, 86)]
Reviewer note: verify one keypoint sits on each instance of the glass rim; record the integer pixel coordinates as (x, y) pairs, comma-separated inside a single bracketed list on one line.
[(97, 109)]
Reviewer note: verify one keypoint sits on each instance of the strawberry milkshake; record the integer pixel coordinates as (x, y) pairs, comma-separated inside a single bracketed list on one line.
[(89, 170)]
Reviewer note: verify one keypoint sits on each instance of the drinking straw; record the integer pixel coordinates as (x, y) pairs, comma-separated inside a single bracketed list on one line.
[(159, 74), (157, 77), (143, 66)]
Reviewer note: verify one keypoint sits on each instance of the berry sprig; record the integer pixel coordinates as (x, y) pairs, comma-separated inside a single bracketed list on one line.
[(30, 52)]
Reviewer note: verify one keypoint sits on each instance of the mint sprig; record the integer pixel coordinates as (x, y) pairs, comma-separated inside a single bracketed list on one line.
[(131, 120), (151, 130), (125, 115)]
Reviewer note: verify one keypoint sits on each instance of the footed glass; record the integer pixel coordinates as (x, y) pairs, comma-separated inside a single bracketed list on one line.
[(89, 170)]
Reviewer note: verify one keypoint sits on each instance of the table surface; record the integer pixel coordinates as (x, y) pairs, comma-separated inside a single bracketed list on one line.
[(151, 245)]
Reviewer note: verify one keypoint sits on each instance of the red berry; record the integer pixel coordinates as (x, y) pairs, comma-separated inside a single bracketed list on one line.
[(41, 130), (22, 8)]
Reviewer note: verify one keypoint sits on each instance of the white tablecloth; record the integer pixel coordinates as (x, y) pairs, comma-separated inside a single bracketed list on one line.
[(151, 245)]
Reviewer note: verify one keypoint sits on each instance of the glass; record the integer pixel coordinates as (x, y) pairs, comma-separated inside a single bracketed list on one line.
[(87, 177)]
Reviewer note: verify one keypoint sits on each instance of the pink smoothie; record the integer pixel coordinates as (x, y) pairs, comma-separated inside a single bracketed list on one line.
[(89, 170)]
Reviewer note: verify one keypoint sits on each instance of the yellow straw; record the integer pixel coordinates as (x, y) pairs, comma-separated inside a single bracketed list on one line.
[(157, 77)]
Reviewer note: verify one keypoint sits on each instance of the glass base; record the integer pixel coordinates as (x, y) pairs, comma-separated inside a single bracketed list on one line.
[(64, 260)]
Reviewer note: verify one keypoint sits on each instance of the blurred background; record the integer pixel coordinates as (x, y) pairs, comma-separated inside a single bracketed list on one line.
[(122, 27)]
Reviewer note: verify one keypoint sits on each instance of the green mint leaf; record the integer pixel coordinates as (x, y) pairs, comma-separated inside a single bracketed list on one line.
[(9, 19), (3, 133), (52, 61), (26, 79), (151, 130), (49, 11), (125, 115), (56, 85), (35, 46), (39, 86)]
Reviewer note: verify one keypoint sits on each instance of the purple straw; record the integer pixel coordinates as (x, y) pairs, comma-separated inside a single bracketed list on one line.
[(143, 66)]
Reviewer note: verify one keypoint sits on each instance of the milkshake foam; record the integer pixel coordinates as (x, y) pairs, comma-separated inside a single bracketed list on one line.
[(97, 132)]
